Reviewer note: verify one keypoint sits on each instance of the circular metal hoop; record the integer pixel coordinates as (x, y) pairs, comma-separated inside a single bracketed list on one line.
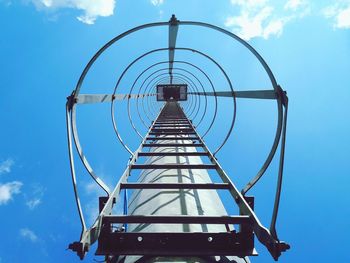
[(192, 108), (185, 49), (215, 28)]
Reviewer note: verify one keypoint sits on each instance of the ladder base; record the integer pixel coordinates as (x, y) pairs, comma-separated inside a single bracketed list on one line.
[(174, 244)]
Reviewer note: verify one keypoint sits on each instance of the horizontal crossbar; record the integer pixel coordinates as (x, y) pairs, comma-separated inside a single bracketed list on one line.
[(172, 129), (173, 145), (174, 244), (171, 133), (172, 119), (174, 186), (173, 154), (173, 166), (249, 94), (171, 122), (184, 126), (169, 138), (183, 219)]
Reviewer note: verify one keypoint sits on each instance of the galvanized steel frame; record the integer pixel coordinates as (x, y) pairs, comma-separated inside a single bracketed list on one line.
[(265, 236)]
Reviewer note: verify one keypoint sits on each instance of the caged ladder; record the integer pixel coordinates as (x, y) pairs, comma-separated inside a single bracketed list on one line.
[(173, 130)]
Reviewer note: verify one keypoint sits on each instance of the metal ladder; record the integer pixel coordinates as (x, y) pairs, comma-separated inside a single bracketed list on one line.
[(172, 124)]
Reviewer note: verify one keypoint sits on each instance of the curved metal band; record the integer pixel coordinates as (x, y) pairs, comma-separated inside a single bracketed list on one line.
[(275, 87), (186, 49), (250, 48), (183, 78), (182, 62), (194, 85), (139, 91), (231, 88), (280, 175), (81, 153), (72, 169), (175, 77)]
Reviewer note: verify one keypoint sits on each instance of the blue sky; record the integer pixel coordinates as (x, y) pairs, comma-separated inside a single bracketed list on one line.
[(44, 47)]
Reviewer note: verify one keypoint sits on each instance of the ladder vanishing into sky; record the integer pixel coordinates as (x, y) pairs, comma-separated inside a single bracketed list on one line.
[(173, 209)]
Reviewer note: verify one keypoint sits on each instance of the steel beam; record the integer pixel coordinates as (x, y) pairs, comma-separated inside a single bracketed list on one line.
[(248, 94), (149, 219), (175, 244), (100, 98), (173, 154), (172, 145), (172, 133), (171, 138), (172, 166), (174, 186), (173, 28)]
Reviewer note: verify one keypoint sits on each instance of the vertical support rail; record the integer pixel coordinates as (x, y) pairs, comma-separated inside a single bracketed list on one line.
[(284, 100), (275, 246), (173, 28)]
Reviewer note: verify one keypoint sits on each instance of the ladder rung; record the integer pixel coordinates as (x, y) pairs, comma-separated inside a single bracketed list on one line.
[(172, 123), (173, 145), (183, 126), (173, 154), (168, 138), (138, 219), (173, 166), (174, 186), (171, 133), (172, 130), (172, 119)]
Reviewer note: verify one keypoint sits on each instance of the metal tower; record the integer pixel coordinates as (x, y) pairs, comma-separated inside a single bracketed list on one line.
[(174, 210)]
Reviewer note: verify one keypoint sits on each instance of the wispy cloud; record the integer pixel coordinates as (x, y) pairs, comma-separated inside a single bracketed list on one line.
[(5, 166), (157, 2), (7, 191), (92, 9), (28, 234), (294, 4), (93, 188), (93, 192), (260, 18), (33, 203), (339, 13), (35, 196)]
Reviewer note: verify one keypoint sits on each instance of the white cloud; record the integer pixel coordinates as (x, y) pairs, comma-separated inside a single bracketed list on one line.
[(8, 190), (92, 210), (157, 2), (5, 166), (249, 3), (293, 4), (92, 9), (339, 13), (28, 234), (274, 27), (343, 18), (259, 18), (93, 188), (33, 203), (33, 199), (93, 191)]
